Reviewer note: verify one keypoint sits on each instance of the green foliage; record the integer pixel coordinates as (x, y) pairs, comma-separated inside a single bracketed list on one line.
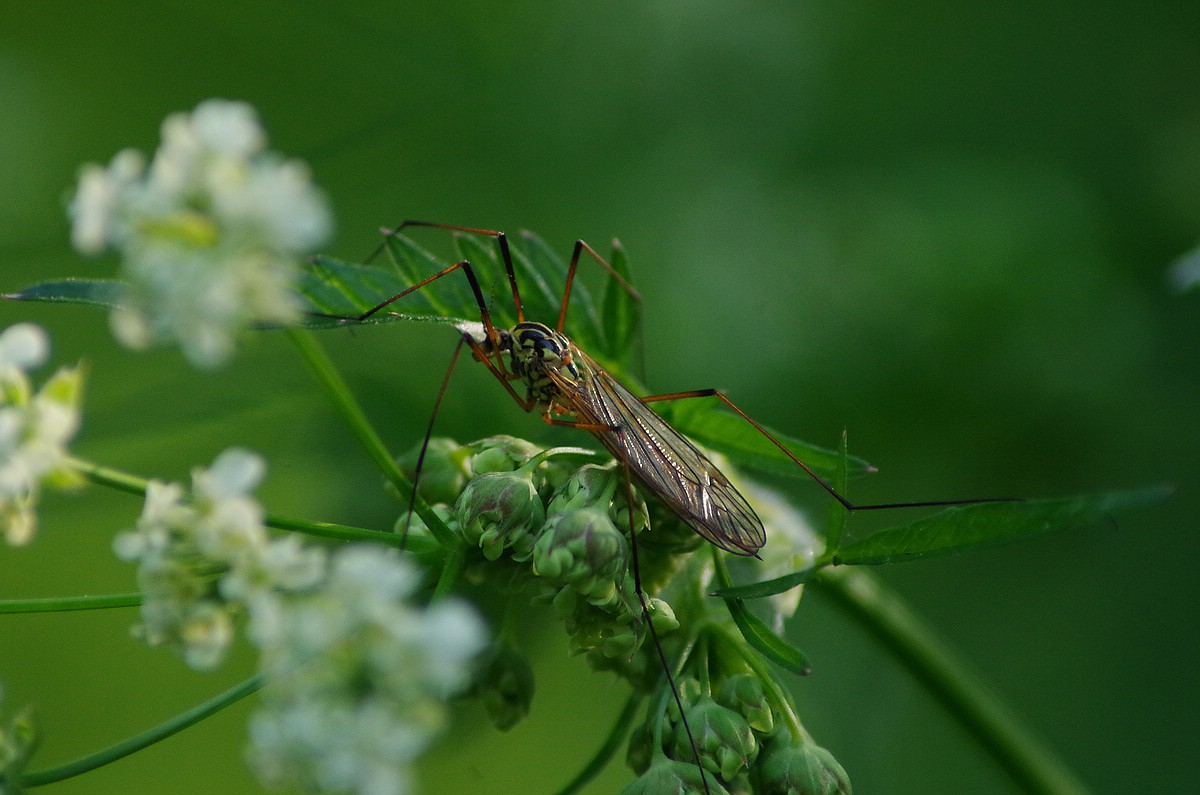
[(958, 529)]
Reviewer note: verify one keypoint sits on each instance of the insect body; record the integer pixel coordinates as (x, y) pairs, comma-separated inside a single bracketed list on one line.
[(562, 379)]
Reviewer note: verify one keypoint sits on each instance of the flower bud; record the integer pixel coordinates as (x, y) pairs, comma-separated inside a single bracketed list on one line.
[(589, 485), (499, 454), (504, 683), (18, 740), (499, 510), (413, 526), (443, 473), (743, 693), (800, 767), (723, 738), (662, 616), (583, 549), (591, 627), (669, 777)]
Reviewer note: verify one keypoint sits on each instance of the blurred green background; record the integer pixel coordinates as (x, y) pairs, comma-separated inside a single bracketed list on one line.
[(945, 227)]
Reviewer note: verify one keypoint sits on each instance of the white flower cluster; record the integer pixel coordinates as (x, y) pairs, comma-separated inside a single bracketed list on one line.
[(209, 231), (359, 679), (34, 429), (207, 559), (357, 676)]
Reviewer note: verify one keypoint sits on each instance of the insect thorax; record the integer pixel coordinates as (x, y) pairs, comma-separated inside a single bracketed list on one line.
[(542, 358)]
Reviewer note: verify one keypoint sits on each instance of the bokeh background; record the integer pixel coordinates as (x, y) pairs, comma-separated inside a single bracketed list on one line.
[(946, 227)]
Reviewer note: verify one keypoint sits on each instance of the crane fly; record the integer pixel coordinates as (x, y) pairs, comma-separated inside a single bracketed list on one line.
[(570, 388), (561, 380)]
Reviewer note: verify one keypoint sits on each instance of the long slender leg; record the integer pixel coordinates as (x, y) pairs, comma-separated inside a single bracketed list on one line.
[(662, 656), (849, 506), (501, 241), (412, 497), (506, 257), (581, 246), (485, 316)]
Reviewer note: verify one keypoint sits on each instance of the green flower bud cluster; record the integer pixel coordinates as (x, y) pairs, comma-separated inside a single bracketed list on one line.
[(800, 767), (538, 517), (447, 465), (539, 520), (744, 742)]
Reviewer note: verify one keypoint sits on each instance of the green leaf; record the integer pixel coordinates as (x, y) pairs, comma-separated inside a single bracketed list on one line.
[(104, 293), (731, 435), (333, 287), (345, 290), (757, 590), (986, 524), (621, 311), (770, 645), (837, 512), (449, 296)]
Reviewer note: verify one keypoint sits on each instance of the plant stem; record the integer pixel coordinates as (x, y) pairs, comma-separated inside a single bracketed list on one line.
[(62, 604), (132, 484), (145, 739), (1025, 757)]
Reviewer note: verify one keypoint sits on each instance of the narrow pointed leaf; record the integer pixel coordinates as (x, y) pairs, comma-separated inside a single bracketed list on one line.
[(757, 590), (104, 293), (621, 312), (770, 645), (975, 526), (837, 511)]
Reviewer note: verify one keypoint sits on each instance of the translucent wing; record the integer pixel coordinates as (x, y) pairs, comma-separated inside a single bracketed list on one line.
[(662, 459)]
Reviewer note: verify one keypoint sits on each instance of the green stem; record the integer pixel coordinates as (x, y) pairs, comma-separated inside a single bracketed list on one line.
[(345, 402), (132, 484), (62, 604), (107, 476), (774, 691), (451, 570), (145, 739), (1029, 761)]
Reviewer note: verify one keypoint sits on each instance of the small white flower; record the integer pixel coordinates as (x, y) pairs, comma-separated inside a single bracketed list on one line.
[(209, 232), (34, 429), (359, 677), (206, 634), (24, 345), (186, 550), (227, 128), (95, 223), (234, 472)]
